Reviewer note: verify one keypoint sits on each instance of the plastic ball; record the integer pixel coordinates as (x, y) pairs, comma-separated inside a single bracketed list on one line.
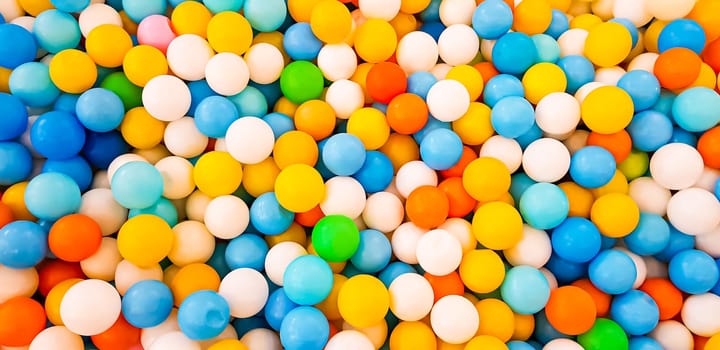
[(676, 166), (137, 185), (693, 271), (268, 216), (413, 44), (246, 251), (57, 135), (486, 179), (336, 238), (73, 71), (147, 303), (492, 19), (538, 168), (245, 290), (23, 244), (441, 149), (299, 188), (694, 313), (56, 31), (349, 339), (571, 310), (514, 53), (375, 40), (203, 315), (383, 212), (544, 205), (577, 240), (331, 23), (685, 33), (643, 87), (598, 118), (643, 138), (635, 311), (458, 44), (79, 308), (279, 257), (301, 81), (300, 43), (337, 61), (512, 116), (137, 248), (605, 333), (493, 218), (408, 113), (533, 249), (454, 319), (363, 301), (304, 327), (265, 63), (520, 278), (52, 195), (20, 167), (612, 271), (57, 337), (277, 307), (265, 16), (608, 44), (686, 113), (307, 280), (592, 167), (31, 83), (21, 49), (99, 110), (411, 297), (343, 154), (23, 319), (166, 98)]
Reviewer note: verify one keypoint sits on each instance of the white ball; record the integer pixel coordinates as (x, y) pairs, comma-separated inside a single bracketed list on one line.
[(279, 257), (337, 61), (709, 243), (249, 140), (227, 217), (609, 75), (11, 10), (708, 179), (461, 229), (265, 63), (572, 42), (100, 180), (668, 10), (100, 205), (166, 98), (441, 70), (562, 344), (182, 138), (557, 113), (412, 175), (122, 160), (127, 274), (649, 195), (349, 340), (486, 48), (187, 56), (261, 339), (377, 334), (193, 243), (506, 150), (644, 61), (90, 307), (17, 282), (546, 160), (382, 9), (456, 11), (174, 340), (57, 338), (345, 97), (103, 263), (533, 249), (458, 44), (417, 52), (448, 100), (228, 333), (149, 335), (672, 334), (454, 319), (586, 89), (699, 314), (227, 73), (640, 267), (404, 242), (637, 11), (344, 196), (177, 175), (96, 15), (154, 154), (411, 297), (245, 290), (27, 22), (694, 211), (438, 252), (383, 212)]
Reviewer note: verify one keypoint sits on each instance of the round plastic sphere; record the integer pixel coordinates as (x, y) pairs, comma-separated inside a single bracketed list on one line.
[(557, 113), (17, 163), (411, 46), (454, 319), (683, 211), (166, 98), (100, 110), (458, 44), (147, 303), (249, 140), (15, 120), (57, 135), (56, 31), (644, 343), (411, 297), (605, 334), (51, 196), (301, 81), (363, 301), (23, 244), (492, 19), (343, 154), (203, 315), (71, 5), (90, 307), (299, 188), (376, 173), (279, 257), (612, 271), (544, 206), (650, 130), (636, 312), (265, 16), (643, 87), (501, 86), (137, 185), (373, 253), (20, 331), (304, 327), (349, 339), (332, 23), (138, 10), (651, 235), (696, 311), (277, 307), (141, 250), (685, 33), (520, 279), (512, 117), (537, 164), (268, 216), (226, 216), (687, 113), (22, 46), (308, 280), (676, 166), (300, 43), (693, 271), (576, 239), (336, 238), (31, 83), (441, 149), (265, 63), (245, 290), (592, 167), (514, 53), (571, 310)]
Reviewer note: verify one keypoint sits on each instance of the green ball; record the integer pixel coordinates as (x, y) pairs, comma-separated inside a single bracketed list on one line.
[(604, 335), (301, 81), (129, 93), (635, 165), (335, 238)]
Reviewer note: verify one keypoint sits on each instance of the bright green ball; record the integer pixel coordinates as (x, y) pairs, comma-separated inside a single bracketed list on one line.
[(604, 335), (336, 238), (301, 81)]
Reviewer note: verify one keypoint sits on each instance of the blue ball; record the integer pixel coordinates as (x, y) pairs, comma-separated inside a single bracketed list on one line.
[(684, 33), (75, 167), (100, 110), (592, 167), (419, 83), (677, 242), (392, 271), (607, 242), (650, 130), (434, 29), (514, 289), (137, 10), (70, 5), (277, 307), (492, 19), (214, 115), (665, 103), (519, 345), (250, 102), (279, 123), (66, 103), (577, 240), (304, 328), (558, 25), (376, 173), (23, 244), (31, 83), (514, 53), (651, 235), (300, 43), (682, 136), (137, 185), (350, 270), (343, 154), (373, 253), (56, 31), (216, 6), (246, 251), (57, 135), (431, 124), (272, 91), (268, 216), (544, 332), (693, 109), (163, 209), (19, 46), (217, 259), (14, 119), (50, 196), (519, 184), (548, 49), (642, 86), (512, 117), (147, 303), (501, 86), (612, 271), (265, 15), (199, 90), (203, 315), (15, 163), (636, 312), (441, 149), (644, 343), (693, 271), (544, 206), (630, 26), (102, 148), (532, 135), (578, 70), (308, 280)]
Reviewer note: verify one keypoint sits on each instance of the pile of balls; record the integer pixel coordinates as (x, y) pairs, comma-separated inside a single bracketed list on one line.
[(359, 174)]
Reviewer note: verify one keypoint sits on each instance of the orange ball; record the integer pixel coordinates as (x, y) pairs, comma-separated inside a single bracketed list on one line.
[(427, 207), (450, 284), (384, 81), (619, 144), (74, 237), (709, 147), (316, 118), (571, 310), (400, 149), (55, 271), (407, 113), (461, 203), (668, 298), (601, 300), (677, 68), (468, 155), (6, 215), (309, 218), (21, 319), (711, 55), (192, 278), (121, 336), (487, 71)]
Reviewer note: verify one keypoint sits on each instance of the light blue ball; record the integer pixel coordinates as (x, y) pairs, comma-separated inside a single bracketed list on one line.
[(492, 19), (519, 184), (530, 136), (644, 343), (558, 25), (15, 163), (643, 88), (693, 271), (163, 209), (512, 116), (279, 123), (441, 149), (636, 312), (547, 48), (392, 271), (343, 154), (376, 173), (501, 86), (214, 115), (677, 242), (137, 10), (100, 110), (19, 46), (268, 216), (578, 70), (23, 244), (431, 124), (137, 185), (250, 102), (613, 272), (56, 31), (147, 303), (277, 307), (199, 90), (419, 83), (650, 130), (300, 43), (70, 5), (304, 328), (265, 15), (592, 167), (685, 33), (66, 103), (246, 251), (75, 167), (650, 237), (31, 83), (216, 6), (203, 315), (57, 135), (544, 206), (576, 239), (50, 196), (514, 53), (308, 280), (519, 345), (693, 110), (514, 290), (373, 253)]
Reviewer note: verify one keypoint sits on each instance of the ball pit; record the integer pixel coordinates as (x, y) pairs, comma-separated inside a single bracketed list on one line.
[(359, 174)]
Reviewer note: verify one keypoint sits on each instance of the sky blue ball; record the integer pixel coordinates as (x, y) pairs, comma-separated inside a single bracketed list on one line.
[(441, 149), (544, 206), (492, 19), (19, 46), (66, 102), (23, 244), (665, 103), (518, 281), (578, 70), (650, 130), (393, 270), (544, 332), (576, 239), (57, 135), (137, 185), (419, 83), (15, 163), (530, 136), (592, 167), (343, 154), (14, 119), (250, 102), (300, 43), (431, 124), (199, 90), (308, 280), (512, 116), (693, 271), (163, 209), (265, 15), (56, 31), (682, 136), (137, 10), (76, 167), (277, 307), (650, 237), (566, 271), (246, 251), (693, 109), (147, 303), (644, 343), (519, 184), (519, 345), (630, 26), (100, 110), (558, 25), (636, 312), (203, 315), (70, 5), (677, 242), (279, 123), (268, 216), (214, 115), (514, 53), (682, 32), (102, 148), (501, 86), (642, 86), (612, 271), (216, 6), (376, 173), (50, 196), (31, 83), (305, 327), (373, 253)]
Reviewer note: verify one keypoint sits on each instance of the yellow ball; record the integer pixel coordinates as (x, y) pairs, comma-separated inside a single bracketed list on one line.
[(260, 178), (447, 346), (54, 298), (73, 71), (403, 24), (35, 7), (14, 197), (299, 188), (497, 225), (413, 336), (107, 45), (615, 214), (524, 327), (229, 32), (330, 21), (145, 240), (496, 319), (375, 40), (482, 270), (474, 127), (363, 301), (360, 77), (370, 126), (652, 33), (607, 109), (469, 77), (608, 44), (295, 147), (486, 179), (485, 342), (543, 79), (301, 10), (413, 6), (635, 165), (585, 21), (217, 173), (532, 16), (285, 106), (329, 306), (141, 130), (144, 62), (295, 233), (5, 79), (618, 184), (192, 278), (191, 17), (713, 342), (400, 149), (580, 199), (228, 344)]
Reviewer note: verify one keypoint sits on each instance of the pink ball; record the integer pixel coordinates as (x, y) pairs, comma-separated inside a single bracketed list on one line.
[(156, 31)]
